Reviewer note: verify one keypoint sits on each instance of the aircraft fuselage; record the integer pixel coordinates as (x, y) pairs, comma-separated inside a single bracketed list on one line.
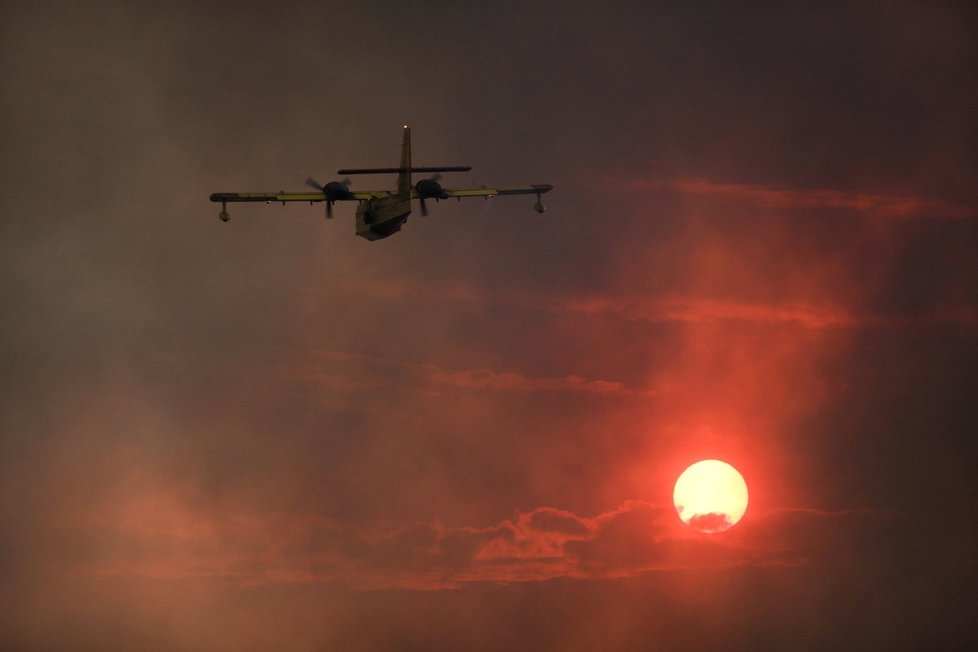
[(379, 217), (383, 216)]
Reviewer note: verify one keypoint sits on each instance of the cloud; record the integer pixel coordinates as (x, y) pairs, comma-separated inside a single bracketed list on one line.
[(712, 522), (873, 204), (340, 370), (691, 310), (817, 314), (509, 381), (159, 531)]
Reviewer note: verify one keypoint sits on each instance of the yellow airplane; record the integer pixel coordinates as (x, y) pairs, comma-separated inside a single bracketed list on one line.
[(383, 212)]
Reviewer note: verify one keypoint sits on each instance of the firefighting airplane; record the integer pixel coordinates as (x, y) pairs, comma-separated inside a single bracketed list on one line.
[(383, 212)]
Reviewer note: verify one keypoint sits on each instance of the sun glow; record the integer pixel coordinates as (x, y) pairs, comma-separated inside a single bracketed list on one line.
[(710, 496)]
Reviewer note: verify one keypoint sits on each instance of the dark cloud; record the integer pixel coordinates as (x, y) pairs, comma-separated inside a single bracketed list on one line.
[(548, 519), (711, 522)]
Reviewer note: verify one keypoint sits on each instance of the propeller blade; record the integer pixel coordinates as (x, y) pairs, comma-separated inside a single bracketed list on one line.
[(424, 208), (436, 176), (347, 181), (312, 183), (329, 210)]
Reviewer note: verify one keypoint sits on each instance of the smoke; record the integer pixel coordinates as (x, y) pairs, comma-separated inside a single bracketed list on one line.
[(268, 433)]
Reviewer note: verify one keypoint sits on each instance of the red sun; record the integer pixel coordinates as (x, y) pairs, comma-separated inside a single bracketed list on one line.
[(710, 496)]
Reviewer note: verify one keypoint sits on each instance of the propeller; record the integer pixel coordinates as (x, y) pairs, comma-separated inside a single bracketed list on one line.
[(331, 192), (436, 177), (312, 183)]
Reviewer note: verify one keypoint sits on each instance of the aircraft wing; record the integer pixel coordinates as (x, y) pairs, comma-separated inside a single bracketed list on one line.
[(484, 191), (293, 196)]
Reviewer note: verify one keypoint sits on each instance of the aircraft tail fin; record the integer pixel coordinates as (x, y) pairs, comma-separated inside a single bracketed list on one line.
[(404, 174)]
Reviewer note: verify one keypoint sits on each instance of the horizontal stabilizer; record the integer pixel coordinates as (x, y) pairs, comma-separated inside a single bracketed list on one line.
[(451, 168), (353, 195)]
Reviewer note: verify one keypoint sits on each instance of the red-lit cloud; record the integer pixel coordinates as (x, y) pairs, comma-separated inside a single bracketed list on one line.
[(817, 314), (155, 530), (319, 369), (871, 204)]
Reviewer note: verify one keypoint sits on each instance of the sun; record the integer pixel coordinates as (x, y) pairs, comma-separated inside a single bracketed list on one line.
[(710, 496)]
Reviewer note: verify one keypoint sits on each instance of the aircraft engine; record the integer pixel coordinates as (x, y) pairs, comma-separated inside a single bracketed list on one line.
[(430, 189), (332, 191), (335, 190)]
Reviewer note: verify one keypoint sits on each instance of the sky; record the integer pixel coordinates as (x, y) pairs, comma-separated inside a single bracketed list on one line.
[(761, 247)]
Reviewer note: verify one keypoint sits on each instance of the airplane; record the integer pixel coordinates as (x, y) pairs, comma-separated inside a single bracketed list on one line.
[(382, 213)]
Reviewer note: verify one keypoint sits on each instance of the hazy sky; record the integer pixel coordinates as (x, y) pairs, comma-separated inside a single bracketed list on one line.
[(762, 246)]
